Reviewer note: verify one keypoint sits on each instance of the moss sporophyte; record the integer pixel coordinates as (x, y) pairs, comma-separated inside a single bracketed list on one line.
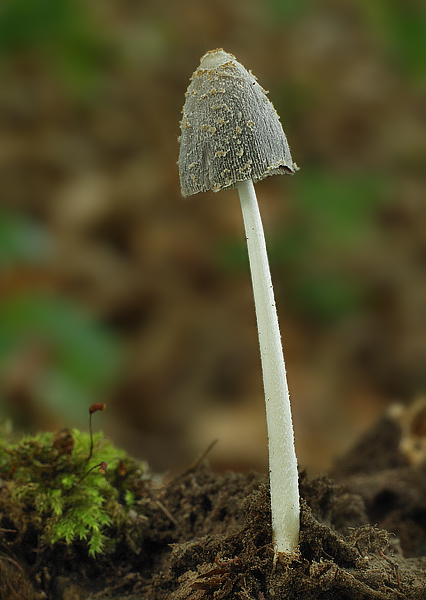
[(52, 490)]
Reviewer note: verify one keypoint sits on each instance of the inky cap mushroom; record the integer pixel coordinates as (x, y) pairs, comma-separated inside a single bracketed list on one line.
[(230, 130), (231, 137)]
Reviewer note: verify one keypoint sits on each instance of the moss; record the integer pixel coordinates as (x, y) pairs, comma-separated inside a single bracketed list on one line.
[(63, 493)]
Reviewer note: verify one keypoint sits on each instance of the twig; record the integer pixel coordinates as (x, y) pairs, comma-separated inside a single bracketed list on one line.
[(17, 565), (194, 465), (167, 513)]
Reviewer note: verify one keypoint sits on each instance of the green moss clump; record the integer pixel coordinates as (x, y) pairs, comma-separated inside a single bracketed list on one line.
[(65, 497)]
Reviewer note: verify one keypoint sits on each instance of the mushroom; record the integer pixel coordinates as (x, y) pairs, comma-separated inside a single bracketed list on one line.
[(231, 136)]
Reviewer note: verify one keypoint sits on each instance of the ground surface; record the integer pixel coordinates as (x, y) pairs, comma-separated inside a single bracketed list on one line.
[(208, 535)]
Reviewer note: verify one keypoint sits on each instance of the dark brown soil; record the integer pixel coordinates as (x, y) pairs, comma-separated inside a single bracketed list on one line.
[(208, 536)]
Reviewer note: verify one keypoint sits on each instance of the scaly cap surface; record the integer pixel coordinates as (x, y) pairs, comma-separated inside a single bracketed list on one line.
[(230, 131)]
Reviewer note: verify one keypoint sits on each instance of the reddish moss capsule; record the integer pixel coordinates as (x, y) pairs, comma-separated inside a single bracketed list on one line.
[(97, 406), (103, 467)]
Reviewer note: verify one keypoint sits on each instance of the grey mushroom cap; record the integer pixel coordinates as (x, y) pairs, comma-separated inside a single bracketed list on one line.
[(230, 131)]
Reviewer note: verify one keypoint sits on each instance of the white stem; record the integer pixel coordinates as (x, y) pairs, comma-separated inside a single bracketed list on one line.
[(282, 456)]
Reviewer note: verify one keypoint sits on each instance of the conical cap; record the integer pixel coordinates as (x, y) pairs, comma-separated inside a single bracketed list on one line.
[(230, 130)]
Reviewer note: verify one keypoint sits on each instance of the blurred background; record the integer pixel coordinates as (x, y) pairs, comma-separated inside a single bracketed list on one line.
[(114, 289)]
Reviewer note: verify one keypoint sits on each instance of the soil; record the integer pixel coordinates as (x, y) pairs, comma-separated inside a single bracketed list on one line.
[(208, 536)]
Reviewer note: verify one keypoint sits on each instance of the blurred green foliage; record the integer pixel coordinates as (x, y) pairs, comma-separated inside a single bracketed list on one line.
[(22, 241), (332, 221), (399, 24), (337, 211), (60, 32), (402, 25), (326, 297), (289, 10), (82, 358)]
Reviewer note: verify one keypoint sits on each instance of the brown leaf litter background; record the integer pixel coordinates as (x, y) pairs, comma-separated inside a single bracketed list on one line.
[(89, 119)]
